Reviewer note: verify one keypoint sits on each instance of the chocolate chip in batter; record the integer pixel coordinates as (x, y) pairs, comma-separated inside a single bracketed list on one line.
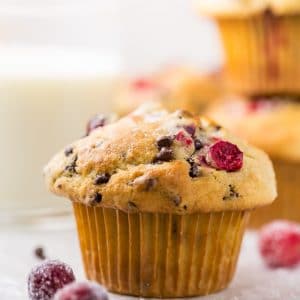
[(232, 193), (144, 183), (96, 122), (198, 144), (164, 154), (194, 170), (71, 167), (96, 199), (176, 199), (101, 178), (164, 141), (68, 151)]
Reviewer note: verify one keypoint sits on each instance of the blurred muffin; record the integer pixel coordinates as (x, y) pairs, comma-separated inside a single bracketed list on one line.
[(161, 201), (271, 124), (261, 42), (173, 87)]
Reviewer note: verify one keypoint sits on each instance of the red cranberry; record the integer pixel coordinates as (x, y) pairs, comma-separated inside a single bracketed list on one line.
[(142, 84), (82, 291), (279, 244), (225, 156), (258, 105), (96, 122), (48, 277), (184, 138)]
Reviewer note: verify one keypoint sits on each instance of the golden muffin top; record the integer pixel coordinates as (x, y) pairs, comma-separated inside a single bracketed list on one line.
[(271, 124), (156, 161), (244, 8), (174, 87)]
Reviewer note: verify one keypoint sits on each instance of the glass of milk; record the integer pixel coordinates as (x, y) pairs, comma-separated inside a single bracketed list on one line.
[(51, 83)]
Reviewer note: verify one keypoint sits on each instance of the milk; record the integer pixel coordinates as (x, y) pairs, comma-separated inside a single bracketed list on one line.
[(46, 97)]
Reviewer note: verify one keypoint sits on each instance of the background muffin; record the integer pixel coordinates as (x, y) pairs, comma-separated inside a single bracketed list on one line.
[(161, 201), (261, 43), (174, 87), (273, 125)]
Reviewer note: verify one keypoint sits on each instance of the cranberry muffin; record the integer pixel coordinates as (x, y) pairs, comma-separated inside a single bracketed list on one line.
[(174, 87), (161, 201), (261, 45), (279, 117)]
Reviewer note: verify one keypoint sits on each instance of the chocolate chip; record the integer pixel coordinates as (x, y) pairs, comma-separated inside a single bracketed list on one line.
[(68, 151), (218, 127), (176, 199), (164, 154), (164, 141), (150, 183), (198, 144), (72, 166), (231, 194), (39, 253), (184, 207), (190, 129), (194, 170), (95, 122), (97, 198), (102, 178)]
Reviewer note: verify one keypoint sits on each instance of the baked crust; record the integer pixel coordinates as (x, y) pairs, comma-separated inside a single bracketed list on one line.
[(175, 87), (127, 153)]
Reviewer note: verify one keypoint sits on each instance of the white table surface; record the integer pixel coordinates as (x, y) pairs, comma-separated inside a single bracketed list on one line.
[(253, 281)]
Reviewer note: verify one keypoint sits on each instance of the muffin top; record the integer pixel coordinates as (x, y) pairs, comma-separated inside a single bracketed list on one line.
[(156, 161), (271, 124), (244, 8), (174, 87)]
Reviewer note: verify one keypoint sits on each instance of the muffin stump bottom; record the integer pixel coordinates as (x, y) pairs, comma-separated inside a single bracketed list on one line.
[(160, 255)]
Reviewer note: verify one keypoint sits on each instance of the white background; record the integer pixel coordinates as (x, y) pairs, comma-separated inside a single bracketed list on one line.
[(144, 33)]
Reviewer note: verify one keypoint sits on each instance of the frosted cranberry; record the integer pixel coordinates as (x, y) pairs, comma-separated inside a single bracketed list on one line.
[(96, 122), (184, 138), (225, 156), (279, 244), (143, 84), (48, 277), (82, 291)]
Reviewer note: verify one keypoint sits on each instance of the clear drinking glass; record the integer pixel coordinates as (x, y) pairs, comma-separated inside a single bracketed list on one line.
[(59, 63)]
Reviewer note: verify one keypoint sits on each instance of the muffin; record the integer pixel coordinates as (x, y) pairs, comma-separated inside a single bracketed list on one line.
[(271, 124), (161, 201), (260, 43), (174, 87)]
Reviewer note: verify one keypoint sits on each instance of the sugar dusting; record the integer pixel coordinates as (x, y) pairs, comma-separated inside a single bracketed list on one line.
[(252, 280)]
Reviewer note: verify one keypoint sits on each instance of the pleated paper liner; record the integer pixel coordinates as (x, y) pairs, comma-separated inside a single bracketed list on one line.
[(160, 255), (287, 205), (262, 53)]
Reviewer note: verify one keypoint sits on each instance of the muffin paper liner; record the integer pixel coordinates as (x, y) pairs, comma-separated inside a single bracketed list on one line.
[(287, 205), (160, 255), (262, 53)]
